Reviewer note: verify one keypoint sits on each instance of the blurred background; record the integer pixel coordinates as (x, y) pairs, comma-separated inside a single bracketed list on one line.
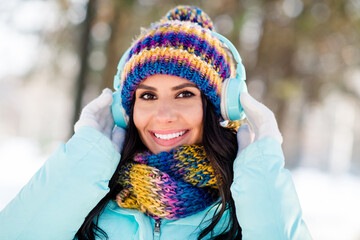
[(302, 59)]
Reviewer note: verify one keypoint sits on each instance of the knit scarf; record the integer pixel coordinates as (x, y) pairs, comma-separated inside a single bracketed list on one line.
[(168, 185)]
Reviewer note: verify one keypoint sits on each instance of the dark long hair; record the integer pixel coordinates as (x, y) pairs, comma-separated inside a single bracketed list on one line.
[(220, 146)]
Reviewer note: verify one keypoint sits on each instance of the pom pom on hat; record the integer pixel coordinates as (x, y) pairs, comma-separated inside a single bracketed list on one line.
[(180, 44), (191, 14)]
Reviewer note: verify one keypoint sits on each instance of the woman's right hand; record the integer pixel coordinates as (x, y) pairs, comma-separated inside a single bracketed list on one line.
[(97, 114)]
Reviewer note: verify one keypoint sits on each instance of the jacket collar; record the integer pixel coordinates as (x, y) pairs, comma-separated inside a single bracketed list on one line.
[(193, 220)]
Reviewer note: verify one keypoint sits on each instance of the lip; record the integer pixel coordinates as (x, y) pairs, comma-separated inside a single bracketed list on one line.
[(166, 143)]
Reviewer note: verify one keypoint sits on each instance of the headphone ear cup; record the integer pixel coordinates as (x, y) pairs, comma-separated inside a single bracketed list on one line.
[(118, 112), (231, 108)]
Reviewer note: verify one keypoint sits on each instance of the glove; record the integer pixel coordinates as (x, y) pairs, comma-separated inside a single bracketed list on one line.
[(97, 114), (262, 121)]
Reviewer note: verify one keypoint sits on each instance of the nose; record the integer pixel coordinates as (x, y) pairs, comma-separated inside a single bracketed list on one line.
[(166, 112)]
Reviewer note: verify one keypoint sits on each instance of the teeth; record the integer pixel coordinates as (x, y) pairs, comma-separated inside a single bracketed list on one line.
[(169, 136)]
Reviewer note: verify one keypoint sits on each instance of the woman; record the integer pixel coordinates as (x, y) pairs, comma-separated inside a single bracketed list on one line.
[(182, 175)]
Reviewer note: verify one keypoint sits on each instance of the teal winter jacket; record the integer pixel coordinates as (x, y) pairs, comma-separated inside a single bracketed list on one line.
[(75, 178)]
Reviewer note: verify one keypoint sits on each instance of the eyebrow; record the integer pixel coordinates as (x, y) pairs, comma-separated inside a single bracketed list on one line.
[(143, 86), (184, 85)]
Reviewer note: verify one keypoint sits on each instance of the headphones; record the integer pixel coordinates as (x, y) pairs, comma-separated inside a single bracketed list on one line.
[(230, 105)]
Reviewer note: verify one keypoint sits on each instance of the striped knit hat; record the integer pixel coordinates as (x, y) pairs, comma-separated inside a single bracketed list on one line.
[(180, 44)]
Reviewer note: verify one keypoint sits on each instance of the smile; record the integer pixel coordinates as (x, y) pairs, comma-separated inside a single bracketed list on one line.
[(169, 136)]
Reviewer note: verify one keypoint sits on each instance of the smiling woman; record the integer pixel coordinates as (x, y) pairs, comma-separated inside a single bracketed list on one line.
[(168, 113), (178, 171)]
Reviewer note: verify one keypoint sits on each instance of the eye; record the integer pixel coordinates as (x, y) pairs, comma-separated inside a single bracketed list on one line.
[(147, 96), (185, 94)]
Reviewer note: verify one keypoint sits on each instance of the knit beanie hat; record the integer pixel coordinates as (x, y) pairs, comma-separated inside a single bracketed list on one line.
[(180, 44)]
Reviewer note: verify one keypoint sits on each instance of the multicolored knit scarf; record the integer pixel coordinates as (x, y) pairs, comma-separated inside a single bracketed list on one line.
[(169, 185)]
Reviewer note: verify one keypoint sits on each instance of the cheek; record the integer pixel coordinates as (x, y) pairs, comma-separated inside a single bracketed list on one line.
[(195, 118), (139, 117)]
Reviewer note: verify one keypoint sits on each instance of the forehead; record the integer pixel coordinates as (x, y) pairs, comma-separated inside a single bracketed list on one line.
[(162, 80)]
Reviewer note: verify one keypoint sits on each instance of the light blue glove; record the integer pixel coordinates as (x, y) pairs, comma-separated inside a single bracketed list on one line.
[(97, 114), (262, 121)]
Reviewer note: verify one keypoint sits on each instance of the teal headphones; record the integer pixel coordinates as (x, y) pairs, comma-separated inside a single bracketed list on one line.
[(230, 105)]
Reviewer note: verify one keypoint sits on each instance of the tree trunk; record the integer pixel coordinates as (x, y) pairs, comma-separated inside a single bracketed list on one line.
[(85, 47)]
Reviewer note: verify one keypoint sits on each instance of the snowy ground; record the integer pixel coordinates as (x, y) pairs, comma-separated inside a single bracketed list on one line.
[(330, 203)]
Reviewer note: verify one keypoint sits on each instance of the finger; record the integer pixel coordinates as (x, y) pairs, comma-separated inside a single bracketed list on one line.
[(118, 136), (254, 110), (261, 118), (105, 99), (108, 125), (244, 137), (103, 116)]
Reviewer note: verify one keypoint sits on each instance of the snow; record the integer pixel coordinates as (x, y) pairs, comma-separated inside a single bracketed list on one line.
[(330, 203)]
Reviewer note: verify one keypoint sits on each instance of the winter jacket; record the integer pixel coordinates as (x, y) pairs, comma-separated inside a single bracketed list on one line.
[(72, 181)]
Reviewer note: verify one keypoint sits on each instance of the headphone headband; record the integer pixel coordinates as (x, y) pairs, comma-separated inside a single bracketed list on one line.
[(120, 66), (230, 106), (240, 69)]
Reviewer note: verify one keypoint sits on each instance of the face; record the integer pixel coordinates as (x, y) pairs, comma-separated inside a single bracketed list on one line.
[(168, 113)]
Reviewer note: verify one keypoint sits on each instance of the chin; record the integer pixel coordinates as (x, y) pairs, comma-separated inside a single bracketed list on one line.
[(159, 149)]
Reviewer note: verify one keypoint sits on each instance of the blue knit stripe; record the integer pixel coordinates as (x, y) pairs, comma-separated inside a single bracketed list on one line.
[(159, 66), (201, 47)]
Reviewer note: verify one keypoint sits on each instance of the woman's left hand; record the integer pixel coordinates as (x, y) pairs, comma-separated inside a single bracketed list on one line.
[(261, 119)]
